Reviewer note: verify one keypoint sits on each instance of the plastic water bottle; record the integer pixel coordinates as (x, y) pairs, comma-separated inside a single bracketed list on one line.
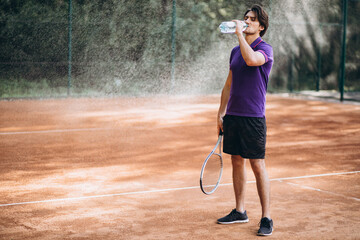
[(230, 27)]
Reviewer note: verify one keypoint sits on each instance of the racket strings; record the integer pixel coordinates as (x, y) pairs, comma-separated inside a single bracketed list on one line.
[(211, 173)]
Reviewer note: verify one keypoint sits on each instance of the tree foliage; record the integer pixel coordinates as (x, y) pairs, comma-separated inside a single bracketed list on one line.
[(121, 46)]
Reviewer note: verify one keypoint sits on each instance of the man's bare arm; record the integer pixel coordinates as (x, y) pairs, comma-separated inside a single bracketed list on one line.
[(225, 94)]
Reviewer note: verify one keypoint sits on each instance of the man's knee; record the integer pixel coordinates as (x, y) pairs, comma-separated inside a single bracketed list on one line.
[(258, 166), (237, 161)]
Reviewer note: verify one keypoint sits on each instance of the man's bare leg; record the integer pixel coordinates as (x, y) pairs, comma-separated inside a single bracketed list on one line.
[(263, 185), (239, 181)]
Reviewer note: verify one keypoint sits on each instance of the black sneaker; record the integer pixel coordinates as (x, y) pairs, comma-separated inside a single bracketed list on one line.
[(234, 217), (266, 227)]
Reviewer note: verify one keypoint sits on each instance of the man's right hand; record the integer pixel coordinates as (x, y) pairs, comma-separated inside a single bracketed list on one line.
[(219, 123)]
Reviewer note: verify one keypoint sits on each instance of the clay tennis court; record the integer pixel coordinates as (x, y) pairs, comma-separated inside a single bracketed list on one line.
[(128, 168)]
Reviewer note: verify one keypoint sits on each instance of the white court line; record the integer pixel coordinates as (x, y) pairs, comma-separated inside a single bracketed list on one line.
[(55, 131), (170, 189), (98, 196), (319, 190)]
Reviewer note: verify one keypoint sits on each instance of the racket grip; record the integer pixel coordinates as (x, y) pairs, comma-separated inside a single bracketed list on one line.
[(221, 132)]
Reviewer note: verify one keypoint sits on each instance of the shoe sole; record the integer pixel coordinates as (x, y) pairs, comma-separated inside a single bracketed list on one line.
[(264, 234), (238, 221)]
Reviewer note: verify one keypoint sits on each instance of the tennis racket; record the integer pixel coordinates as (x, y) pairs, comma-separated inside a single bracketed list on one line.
[(212, 168)]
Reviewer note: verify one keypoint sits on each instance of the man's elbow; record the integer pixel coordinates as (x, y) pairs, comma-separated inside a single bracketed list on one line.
[(255, 60), (252, 62)]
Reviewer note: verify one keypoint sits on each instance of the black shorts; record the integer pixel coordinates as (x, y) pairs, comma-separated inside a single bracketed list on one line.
[(245, 136)]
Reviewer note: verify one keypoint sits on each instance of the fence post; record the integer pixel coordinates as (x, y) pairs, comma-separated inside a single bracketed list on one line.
[(319, 62), (290, 73), (173, 36), (270, 17), (343, 52), (69, 49)]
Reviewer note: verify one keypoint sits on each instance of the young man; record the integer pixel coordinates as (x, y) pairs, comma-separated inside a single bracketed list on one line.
[(244, 125)]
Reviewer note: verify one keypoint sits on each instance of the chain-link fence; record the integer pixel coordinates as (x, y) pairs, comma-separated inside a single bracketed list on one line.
[(60, 48)]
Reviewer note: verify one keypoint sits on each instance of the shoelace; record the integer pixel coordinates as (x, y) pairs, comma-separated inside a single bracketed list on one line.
[(233, 213), (264, 223)]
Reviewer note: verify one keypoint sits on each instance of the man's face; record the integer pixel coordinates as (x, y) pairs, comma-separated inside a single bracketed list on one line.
[(254, 24)]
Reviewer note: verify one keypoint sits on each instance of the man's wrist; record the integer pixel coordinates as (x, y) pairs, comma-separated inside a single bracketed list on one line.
[(240, 37)]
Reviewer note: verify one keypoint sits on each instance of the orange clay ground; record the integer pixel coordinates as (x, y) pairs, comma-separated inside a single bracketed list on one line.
[(128, 168)]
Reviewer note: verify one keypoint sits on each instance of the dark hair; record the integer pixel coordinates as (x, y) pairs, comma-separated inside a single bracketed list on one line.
[(261, 15)]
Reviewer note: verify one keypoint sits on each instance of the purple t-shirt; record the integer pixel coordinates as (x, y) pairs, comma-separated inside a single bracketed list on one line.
[(249, 84)]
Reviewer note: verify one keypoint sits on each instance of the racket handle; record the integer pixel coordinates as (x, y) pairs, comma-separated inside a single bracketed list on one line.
[(221, 132)]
